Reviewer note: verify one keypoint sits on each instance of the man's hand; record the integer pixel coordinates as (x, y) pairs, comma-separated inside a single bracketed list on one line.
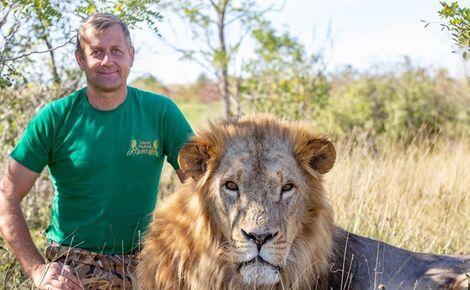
[(55, 276)]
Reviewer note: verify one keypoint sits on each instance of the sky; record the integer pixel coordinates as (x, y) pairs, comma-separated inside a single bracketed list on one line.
[(362, 33)]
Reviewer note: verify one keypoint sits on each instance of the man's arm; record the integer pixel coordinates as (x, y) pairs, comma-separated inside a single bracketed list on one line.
[(14, 186)]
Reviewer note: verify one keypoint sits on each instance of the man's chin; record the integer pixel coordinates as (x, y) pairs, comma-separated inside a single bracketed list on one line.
[(259, 273), (107, 83), (109, 87)]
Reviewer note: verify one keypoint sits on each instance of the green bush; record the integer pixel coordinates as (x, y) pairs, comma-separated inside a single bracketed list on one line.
[(397, 104), (400, 103)]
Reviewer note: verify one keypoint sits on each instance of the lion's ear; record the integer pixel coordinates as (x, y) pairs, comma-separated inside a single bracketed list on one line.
[(322, 154), (193, 158)]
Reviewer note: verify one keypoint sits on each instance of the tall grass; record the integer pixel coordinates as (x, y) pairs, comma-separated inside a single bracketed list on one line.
[(415, 196)]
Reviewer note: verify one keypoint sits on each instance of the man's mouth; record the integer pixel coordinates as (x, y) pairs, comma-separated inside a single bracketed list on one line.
[(259, 260), (107, 73)]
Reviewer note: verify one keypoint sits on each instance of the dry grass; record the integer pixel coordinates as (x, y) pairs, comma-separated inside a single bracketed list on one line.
[(413, 196)]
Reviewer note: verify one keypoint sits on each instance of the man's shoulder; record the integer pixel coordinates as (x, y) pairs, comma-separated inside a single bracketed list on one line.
[(65, 102), (58, 107)]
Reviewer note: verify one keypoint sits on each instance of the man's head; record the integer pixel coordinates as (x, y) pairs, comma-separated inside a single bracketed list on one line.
[(104, 52)]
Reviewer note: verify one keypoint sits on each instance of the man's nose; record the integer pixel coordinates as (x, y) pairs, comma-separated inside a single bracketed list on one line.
[(107, 59)]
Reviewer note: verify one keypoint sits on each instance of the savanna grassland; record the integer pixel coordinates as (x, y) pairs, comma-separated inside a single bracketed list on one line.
[(409, 189), (414, 196)]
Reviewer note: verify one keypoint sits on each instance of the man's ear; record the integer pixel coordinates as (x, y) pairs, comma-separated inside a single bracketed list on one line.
[(80, 58), (322, 154), (193, 158), (132, 53)]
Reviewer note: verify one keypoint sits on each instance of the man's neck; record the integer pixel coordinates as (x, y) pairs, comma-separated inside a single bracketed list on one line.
[(106, 101)]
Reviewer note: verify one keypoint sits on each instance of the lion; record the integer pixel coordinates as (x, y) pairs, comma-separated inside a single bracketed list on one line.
[(254, 215)]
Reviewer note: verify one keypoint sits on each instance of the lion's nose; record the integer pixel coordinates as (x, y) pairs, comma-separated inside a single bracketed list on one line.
[(259, 239)]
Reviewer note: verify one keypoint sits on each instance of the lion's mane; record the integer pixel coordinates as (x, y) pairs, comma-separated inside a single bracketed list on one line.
[(184, 247)]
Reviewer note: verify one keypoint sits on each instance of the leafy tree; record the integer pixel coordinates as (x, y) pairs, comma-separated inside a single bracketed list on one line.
[(218, 27), (458, 23), (283, 78)]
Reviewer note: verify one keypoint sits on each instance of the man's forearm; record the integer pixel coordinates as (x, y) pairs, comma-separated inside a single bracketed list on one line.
[(15, 232)]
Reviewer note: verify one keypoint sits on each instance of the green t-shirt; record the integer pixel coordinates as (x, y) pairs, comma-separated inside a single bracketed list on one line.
[(105, 165)]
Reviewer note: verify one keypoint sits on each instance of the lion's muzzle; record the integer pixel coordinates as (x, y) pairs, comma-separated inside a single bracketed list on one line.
[(259, 264), (259, 239)]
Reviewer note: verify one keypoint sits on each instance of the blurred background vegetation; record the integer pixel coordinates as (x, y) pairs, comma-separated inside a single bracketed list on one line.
[(402, 130)]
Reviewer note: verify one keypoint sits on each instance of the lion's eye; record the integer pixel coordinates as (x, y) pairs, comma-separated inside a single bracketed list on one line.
[(287, 187), (230, 185)]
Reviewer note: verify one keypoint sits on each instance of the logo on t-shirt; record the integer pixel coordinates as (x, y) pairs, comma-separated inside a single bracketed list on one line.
[(142, 147)]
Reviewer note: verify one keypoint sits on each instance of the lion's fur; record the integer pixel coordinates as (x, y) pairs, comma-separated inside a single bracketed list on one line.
[(186, 248)]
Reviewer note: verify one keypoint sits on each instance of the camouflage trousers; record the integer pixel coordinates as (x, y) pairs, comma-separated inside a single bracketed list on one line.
[(96, 271)]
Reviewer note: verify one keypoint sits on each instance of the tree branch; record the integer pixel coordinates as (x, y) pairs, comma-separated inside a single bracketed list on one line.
[(4, 19), (188, 54), (207, 35), (54, 70), (37, 52), (214, 5), (261, 13)]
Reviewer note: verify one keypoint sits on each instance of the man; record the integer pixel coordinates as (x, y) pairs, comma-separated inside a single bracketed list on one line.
[(104, 146)]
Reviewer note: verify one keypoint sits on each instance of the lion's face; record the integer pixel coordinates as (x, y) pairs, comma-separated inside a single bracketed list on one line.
[(258, 199), (260, 191)]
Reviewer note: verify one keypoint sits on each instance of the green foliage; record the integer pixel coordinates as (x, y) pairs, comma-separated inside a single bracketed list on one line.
[(397, 104), (27, 28), (283, 79), (458, 23), (195, 13), (132, 12), (400, 103)]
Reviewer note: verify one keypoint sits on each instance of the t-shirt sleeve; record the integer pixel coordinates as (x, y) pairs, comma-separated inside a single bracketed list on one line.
[(33, 148), (177, 132)]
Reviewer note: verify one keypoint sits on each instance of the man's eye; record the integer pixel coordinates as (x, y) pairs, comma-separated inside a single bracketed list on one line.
[(95, 52), (230, 185), (116, 50)]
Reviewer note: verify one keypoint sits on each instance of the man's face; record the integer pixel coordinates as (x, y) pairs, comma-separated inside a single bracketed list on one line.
[(107, 58)]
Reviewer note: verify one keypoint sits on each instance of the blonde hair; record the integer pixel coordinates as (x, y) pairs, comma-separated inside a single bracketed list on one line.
[(101, 22)]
